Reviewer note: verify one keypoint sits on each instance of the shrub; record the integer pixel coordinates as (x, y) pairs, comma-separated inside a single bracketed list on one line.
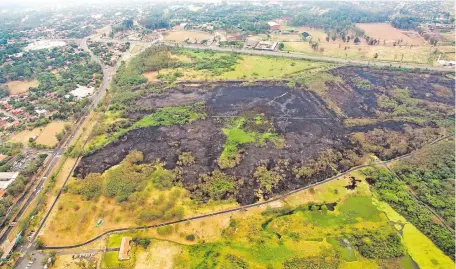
[(190, 237), (165, 230)]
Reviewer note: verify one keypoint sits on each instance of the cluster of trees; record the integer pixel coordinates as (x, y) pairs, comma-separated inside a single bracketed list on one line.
[(152, 59), (328, 163), (340, 19), (269, 178), (388, 144), (6, 50), (430, 174), (395, 192), (215, 186), (32, 63), (378, 244), (406, 22), (60, 135), (164, 208), (127, 184)]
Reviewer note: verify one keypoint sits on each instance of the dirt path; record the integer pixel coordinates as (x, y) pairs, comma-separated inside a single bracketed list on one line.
[(275, 199)]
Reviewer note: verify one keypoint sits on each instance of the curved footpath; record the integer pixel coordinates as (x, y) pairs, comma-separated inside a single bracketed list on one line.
[(384, 163)]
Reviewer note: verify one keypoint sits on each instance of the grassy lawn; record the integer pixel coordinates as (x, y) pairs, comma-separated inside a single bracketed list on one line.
[(249, 67), (110, 260)]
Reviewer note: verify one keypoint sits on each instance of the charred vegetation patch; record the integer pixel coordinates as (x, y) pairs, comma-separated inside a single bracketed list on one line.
[(267, 138)]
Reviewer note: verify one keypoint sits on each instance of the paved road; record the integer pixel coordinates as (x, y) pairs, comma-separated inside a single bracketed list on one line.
[(284, 54), (280, 197), (316, 58), (108, 73)]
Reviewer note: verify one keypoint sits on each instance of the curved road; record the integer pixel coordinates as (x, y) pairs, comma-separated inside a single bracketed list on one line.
[(280, 197)]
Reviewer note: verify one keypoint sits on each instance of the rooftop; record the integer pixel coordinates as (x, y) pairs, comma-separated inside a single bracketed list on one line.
[(124, 248), (8, 175)]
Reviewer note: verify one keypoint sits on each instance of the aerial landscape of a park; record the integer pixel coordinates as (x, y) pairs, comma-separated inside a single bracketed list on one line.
[(227, 134)]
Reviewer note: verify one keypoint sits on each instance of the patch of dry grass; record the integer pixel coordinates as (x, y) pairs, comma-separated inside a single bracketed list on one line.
[(192, 36), (19, 87)]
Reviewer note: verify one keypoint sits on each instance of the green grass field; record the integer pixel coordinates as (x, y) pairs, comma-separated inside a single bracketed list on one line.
[(248, 67), (110, 260)]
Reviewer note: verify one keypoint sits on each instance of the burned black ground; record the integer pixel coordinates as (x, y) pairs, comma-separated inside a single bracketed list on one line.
[(310, 128)]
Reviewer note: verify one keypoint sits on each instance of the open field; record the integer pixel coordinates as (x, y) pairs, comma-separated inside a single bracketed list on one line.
[(68, 262), (268, 121), (415, 54), (20, 87), (45, 135), (71, 209), (317, 34), (389, 34), (169, 150), (191, 36), (249, 67)]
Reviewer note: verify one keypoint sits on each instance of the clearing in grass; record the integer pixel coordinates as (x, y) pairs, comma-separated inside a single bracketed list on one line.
[(386, 32), (189, 36), (19, 87), (45, 135)]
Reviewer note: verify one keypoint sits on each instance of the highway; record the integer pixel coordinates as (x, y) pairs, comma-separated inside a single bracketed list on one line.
[(108, 74), (315, 58), (286, 54)]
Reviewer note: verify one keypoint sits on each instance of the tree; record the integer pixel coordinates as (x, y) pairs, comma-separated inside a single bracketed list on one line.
[(281, 46), (376, 55), (356, 41), (39, 243)]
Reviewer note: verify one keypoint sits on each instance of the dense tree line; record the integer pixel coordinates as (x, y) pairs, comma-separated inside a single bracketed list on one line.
[(394, 192), (405, 22), (431, 175), (339, 20)]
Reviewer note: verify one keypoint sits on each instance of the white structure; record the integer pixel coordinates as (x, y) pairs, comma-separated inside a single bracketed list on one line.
[(6, 178), (41, 112), (44, 44), (82, 92)]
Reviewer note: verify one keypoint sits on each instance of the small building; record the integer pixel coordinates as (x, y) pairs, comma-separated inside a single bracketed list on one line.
[(306, 35), (266, 45), (124, 249), (250, 43), (273, 25), (6, 178)]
